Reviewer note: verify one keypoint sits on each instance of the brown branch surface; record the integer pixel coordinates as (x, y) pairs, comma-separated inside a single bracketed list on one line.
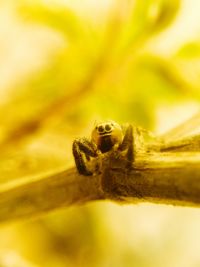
[(158, 177), (34, 197), (161, 172)]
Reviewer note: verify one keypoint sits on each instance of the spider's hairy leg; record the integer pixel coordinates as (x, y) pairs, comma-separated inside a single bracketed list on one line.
[(127, 144), (83, 149)]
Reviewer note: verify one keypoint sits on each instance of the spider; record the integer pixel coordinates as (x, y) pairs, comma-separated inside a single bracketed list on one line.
[(105, 137)]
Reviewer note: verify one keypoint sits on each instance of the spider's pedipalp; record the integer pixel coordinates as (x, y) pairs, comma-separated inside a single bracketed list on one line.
[(83, 149), (87, 147)]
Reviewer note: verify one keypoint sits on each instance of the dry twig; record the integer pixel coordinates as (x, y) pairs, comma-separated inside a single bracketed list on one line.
[(171, 177)]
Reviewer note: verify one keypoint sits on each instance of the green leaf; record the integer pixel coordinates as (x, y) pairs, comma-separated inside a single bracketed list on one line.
[(58, 18), (189, 50)]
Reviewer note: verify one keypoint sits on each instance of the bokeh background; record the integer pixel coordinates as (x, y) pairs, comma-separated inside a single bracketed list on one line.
[(65, 64)]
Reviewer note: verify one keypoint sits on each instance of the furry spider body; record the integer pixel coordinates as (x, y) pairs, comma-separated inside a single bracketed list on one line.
[(104, 138)]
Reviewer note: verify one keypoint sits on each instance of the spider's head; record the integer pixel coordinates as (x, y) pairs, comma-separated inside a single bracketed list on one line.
[(107, 134)]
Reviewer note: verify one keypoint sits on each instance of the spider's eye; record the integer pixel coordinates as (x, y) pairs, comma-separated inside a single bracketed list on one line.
[(100, 129), (108, 127)]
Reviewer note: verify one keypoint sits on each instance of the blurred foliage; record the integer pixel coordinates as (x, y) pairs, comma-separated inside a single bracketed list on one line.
[(94, 61)]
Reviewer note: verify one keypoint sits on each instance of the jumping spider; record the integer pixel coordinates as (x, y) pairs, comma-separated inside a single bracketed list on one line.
[(105, 137)]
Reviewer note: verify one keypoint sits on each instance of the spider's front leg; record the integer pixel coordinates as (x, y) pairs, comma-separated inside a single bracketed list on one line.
[(127, 145), (83, 151)]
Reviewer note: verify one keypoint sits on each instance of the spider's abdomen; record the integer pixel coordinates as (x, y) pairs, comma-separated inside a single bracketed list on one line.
[(105, 143)]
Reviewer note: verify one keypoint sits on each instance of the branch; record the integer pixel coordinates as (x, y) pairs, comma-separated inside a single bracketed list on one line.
[(166, 173), (155, 178), (33, 197), (159, 178)]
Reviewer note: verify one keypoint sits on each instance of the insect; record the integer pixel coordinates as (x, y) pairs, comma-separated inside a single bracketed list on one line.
[(105, 137)]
